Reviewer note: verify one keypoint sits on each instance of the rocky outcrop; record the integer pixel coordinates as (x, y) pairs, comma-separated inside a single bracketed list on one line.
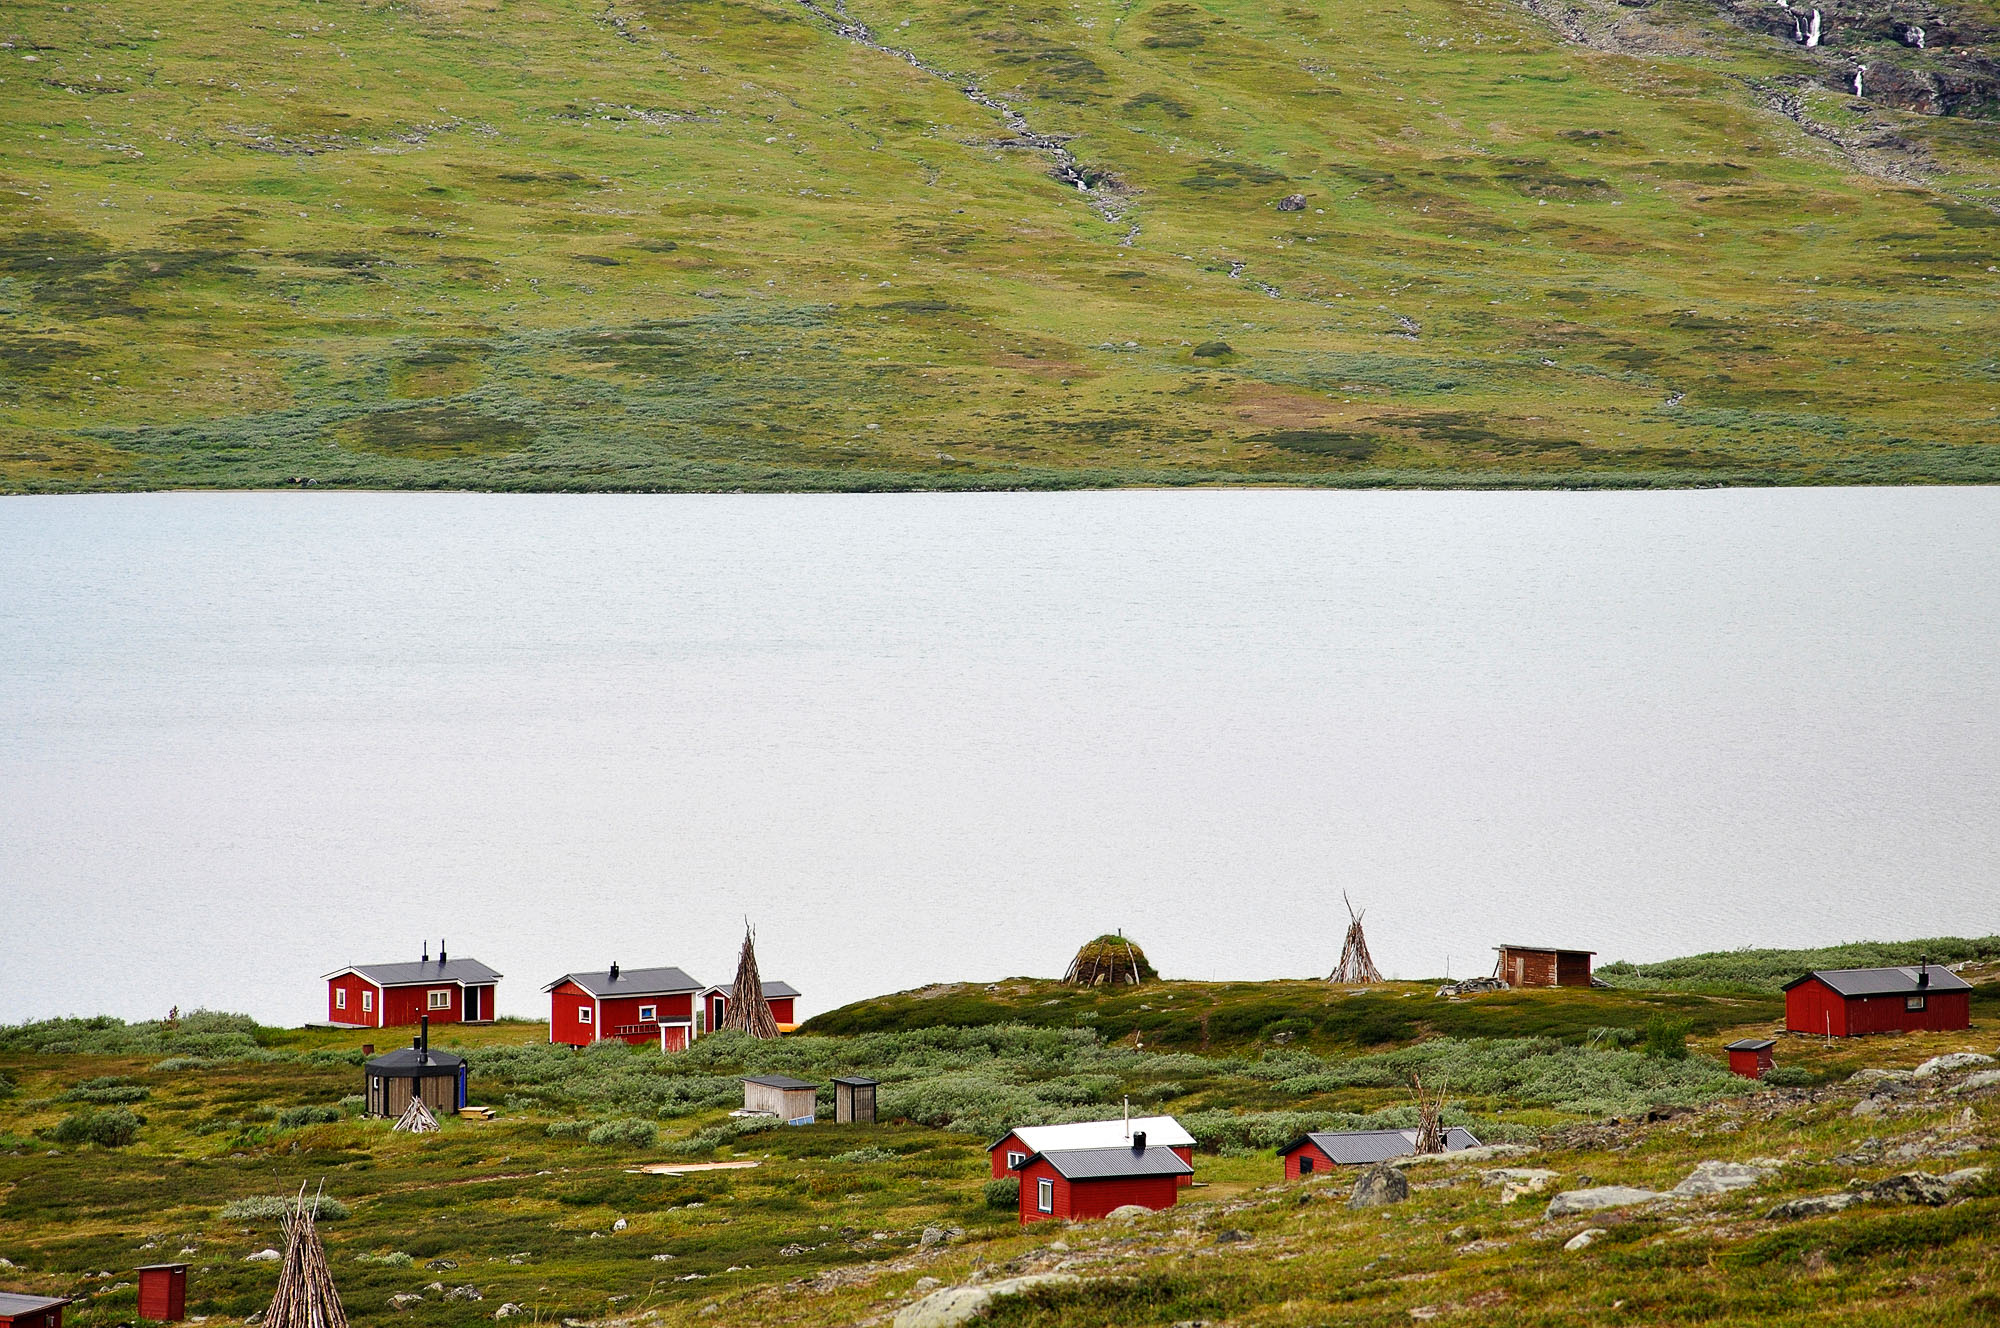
[(1957, 1060), (962, 1304), (1911, 1187), (1379, 1185), (1570, 1202), (1709, 1178)]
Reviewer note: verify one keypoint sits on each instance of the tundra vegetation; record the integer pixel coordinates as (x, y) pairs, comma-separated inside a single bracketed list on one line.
[(516, 244), (543, 1208)]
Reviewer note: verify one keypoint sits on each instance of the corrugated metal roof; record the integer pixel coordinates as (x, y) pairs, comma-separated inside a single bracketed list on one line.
[(1544, 949), (858, 1081), (470, 972), (408, 1060), (1352, 1148), (1883, 981), (1111, 1163), (12, 1303), (772, 987), (1751, 1044), (631, 982), (1163, 1130), (777, 1081)]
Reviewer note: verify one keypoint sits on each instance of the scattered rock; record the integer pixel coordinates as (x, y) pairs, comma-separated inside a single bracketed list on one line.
[(1212, 350), (263, 1256), (666, 1258), (254, 1319), (442, 1265), (1379, 1185), (1602, 1196), (524, 1256), (402, 1300), (509, 1311), (1582, 1239), (463, 1293), (1973, 1083), (1473, 986), (1517, 1181), (1872, 1075), (936, 1236), (9, 1263), (1817, 1205), (1956, 1060), (961, 1304), (1483, 1153), (1912, 1187), (1868, 1106), (1128, 1213), (619, 1225), (1292, 203), (1425, 1313), (924, 1284), (1231, 1236), (1720, 1178)]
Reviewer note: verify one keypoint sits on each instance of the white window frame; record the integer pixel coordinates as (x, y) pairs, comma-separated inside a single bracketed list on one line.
[(649, 1014), (1045, 1195), (583, 1014), (340, 998), (367, 1000), (1014, 1159), (438, 998)]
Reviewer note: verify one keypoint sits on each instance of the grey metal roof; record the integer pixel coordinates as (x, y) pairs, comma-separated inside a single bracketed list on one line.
[(469, 972), (1545, 949), (1111, 1163), (12, 1303), (1751, 1044), (1351, 1148), (631, 982), (858, 1081), (771, 988), (1883, 981), (777, 1081), (410, 1061)]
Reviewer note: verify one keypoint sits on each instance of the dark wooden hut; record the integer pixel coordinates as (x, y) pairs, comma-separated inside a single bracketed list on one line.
[(390, 1081)]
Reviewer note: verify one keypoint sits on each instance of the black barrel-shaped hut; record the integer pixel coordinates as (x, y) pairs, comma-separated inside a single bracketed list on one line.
[(390, 1081)]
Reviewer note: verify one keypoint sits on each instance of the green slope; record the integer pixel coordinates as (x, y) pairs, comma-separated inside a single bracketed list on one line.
[(536, 244)]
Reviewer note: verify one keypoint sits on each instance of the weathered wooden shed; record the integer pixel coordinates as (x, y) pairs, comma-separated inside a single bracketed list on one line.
[(389, 1082), (792, 1100), (1850, 1002), (1750, 1057), (854, 1100), (1543, 966), (20, 1311), (163, 1292)]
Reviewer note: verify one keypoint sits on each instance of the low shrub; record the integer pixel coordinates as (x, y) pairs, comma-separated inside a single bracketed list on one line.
[(567, 1129), (394, 1259), (293, 1117), (1790, 1076), (1770, 970), (1666, 1038), (867, 1155), (109, 1088), (628, 1132), (274, 1207), (113, 1127), (1004, 1193)]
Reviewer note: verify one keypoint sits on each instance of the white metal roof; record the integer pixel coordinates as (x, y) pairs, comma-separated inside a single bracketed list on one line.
[(1161, 1132)]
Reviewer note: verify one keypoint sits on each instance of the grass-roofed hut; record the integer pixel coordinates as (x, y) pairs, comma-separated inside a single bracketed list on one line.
[(1110, 961)]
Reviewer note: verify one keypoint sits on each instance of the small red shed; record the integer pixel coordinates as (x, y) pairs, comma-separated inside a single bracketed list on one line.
[(782, 997), (1851, 1002), (163, 1292), (1013, 1148), (1750, 1057), (1323, 1150), (1542, 966), (1090, 1182), (19, 1311), (636, 1005), (450, 991)]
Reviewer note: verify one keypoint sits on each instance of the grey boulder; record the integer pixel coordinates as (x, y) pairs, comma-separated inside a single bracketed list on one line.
[(1602, 1196), (1973, 1083), (1719, 1178), (1956, 1060), (1379, 1185), (962, 1304)]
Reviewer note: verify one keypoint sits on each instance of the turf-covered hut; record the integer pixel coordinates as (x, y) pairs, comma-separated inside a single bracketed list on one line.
[(1323, 1150), (18, 1311), (390, 1081), (795, 1101), (1110, 961), (1849, 1002)]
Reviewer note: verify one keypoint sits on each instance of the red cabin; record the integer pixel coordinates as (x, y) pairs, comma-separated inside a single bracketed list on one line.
[(1016, 1146), (163, 1292), (1750, 1057), (1324, 1150), (17, 1311), (782, 997), (1851, 1002), (636, 1005), (450, 991), (1081, 1183)]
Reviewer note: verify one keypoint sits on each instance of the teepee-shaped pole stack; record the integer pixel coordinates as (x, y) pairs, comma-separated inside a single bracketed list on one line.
[(416, 1118), (306, 1297), (1430, 1116), (748, 1011), (1355, 963)]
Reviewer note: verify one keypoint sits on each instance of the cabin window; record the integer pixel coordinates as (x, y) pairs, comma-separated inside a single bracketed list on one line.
[(441, 998), (583, 1014), (340, 998), (1305, 1163), (367, 1000), (1045, 1196), (1913, 1002), (647, 1014), (1015, 1159)]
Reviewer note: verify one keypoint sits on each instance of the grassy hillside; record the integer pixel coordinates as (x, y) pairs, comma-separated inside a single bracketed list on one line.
[(753, 244)]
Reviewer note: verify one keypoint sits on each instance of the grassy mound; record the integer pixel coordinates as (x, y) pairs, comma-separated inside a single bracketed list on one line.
[(1110, 961)]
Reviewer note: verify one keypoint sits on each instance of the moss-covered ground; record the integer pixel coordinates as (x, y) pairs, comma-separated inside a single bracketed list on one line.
[(828, 1227), (630, 245)]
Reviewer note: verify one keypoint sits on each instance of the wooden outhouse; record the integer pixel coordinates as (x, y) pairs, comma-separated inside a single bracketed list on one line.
[(854, 1100), (19, 1311), (1750, 1057), (389, 1082), (163, 1292), (1849, 1002), (1542, 966), (794, 1101), (1091, 1182)]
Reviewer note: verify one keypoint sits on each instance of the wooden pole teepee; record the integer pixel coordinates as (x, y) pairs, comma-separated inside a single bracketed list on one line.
[(416, 1118), (306, 1296), (1430, 1116), (748, 1011), (1355, 963)]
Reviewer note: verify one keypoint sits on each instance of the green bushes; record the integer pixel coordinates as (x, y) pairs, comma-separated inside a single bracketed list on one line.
[(1768, 970), (867, 1155), (706, 1141), (107, 1088), (629, 1133), (207, 1034), (1004, 1193), (113, 1127), (274, 1207), (1666, 1038), (293, 1117), (393, 1259)]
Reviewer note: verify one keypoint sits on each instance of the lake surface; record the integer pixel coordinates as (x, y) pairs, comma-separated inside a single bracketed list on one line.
[(246, 739)]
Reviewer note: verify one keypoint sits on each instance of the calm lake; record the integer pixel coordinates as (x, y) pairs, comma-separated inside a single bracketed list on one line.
[(246, 739)]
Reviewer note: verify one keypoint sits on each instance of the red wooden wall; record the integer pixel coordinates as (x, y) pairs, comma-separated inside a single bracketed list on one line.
[(1321, 1162), (565, 1024), (353, 985), (1815, 1008), (163, 1294), (1092, 1198), (405, 1005)]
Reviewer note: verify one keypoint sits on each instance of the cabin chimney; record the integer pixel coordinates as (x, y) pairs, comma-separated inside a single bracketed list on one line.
[(614, 970), (1923, 972), (440, 952), (1138, 1141), (424, 1036), (427, 950)]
